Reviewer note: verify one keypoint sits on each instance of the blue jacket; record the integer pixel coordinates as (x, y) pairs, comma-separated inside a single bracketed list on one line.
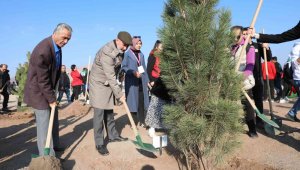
[(129, 66)]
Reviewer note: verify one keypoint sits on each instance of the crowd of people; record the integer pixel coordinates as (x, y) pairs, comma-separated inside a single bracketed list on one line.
[(119, 60), (145, 92)]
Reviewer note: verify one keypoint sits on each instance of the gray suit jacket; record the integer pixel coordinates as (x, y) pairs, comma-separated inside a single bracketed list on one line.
[(103, 85)]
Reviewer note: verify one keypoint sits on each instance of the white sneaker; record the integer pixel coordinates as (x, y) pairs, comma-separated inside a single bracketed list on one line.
[(286, 99), (282, 101), (151, 132)]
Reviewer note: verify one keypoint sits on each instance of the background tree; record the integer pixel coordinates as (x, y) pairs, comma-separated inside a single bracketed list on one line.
[(205, 119), (21, 76)]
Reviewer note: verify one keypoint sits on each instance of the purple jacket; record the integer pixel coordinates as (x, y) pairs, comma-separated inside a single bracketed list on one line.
[(250, 58), (42, 76)]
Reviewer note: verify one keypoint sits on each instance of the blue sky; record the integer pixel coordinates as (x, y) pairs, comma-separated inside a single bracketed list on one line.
[(24, 23)]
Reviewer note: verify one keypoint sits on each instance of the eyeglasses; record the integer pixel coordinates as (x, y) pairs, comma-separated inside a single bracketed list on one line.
[(137, 37)]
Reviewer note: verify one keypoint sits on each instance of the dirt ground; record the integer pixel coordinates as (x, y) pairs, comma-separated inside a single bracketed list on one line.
[(18, 142)]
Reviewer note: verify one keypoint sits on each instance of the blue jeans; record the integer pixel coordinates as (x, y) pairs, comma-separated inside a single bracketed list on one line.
[(61, 93), (296, 106)]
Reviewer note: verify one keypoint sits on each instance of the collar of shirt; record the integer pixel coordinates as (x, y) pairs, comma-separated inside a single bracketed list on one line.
[(56, 48), (57, 55)]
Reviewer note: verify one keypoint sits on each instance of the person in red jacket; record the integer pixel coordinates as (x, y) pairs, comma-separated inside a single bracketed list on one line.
[(76, 82), (272, 75)]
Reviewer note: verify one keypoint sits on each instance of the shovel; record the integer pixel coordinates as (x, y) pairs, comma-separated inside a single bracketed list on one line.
[(271, 123), (270, 129), (248, 36), (49, 134), (139, 143), (46, 161)]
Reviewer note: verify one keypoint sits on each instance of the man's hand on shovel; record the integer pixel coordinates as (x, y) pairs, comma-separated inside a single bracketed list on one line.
[(121, 100), (53, 105)]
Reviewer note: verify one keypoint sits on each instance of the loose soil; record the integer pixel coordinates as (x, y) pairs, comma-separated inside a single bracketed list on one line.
[(18, 142), (45, 163)]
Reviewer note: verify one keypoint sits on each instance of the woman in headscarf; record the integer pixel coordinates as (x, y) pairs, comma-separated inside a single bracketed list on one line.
[(136, 81)]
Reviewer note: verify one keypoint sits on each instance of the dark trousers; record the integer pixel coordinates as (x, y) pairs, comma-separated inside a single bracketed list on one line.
[(83, 89), (277, 85), (249, 116), (271, 82), (141, 109), (108, 117), (6, 98), (287, 86), (257, 92), (61, 93), (76, 92)]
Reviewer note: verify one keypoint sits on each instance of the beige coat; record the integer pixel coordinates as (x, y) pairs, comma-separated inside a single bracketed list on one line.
[(103, 86)]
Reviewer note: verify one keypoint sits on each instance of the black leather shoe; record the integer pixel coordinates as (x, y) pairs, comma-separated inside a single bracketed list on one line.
[(102, 150), (252, 135), (118, 139), (59, 149)]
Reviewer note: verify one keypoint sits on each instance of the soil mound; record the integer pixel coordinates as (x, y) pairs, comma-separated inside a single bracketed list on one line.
[(45, 163)]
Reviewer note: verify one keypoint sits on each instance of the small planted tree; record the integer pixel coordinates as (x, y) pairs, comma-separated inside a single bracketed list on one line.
[(21, 76), (204, 120)]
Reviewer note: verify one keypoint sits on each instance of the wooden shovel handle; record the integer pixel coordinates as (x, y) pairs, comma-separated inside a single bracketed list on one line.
[(248, 36), (130, 117), (50, 126), (249, 99)]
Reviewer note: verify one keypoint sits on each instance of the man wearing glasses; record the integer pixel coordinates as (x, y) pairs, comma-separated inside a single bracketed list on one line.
[(104, 89)]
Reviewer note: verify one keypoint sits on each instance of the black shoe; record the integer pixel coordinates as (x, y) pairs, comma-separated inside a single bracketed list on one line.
[(252, 135), (6, 110), (102, 150), (59, 149), (118, 139)]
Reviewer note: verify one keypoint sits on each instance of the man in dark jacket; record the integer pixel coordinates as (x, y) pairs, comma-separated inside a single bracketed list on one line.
[(63, 85), (288, 35), (43, 75), (277, 81), (4, 83), (258, 89)]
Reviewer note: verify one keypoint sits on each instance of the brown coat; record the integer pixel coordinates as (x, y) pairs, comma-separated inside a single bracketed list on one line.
[(103, 85), (42, 76)]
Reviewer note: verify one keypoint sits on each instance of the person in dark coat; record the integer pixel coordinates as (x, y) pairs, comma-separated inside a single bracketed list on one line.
[(289, 35), (258, 89), (277, 81), (136, 81), (4, 83), (63, 85), (83, 74), (42, 79)]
